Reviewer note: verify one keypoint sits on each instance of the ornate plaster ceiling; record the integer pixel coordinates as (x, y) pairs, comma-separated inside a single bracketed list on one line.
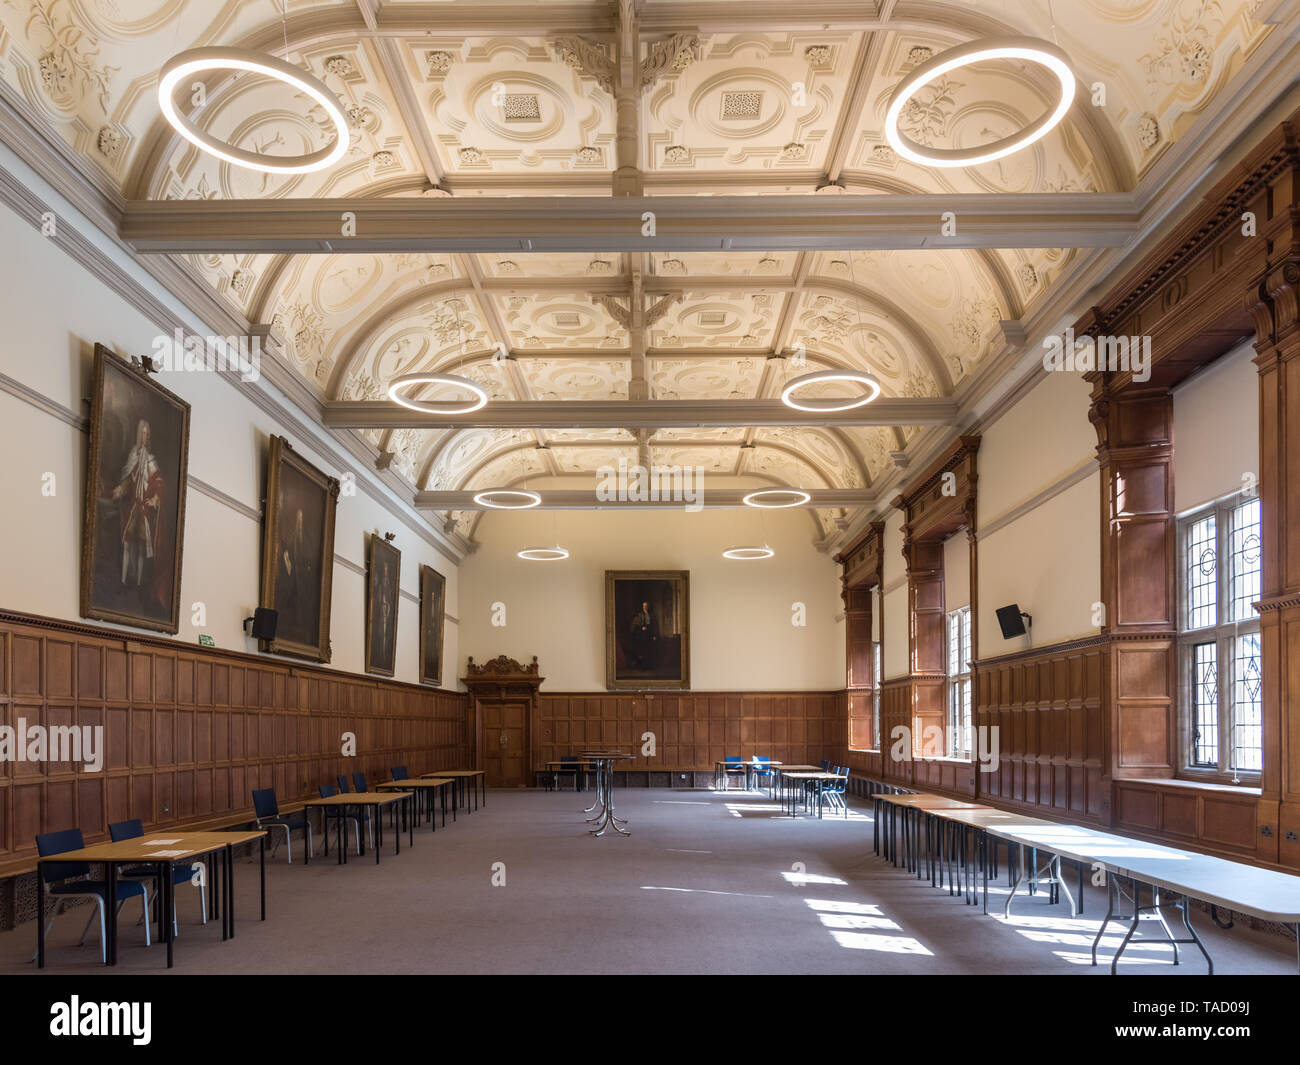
[(481, 99)]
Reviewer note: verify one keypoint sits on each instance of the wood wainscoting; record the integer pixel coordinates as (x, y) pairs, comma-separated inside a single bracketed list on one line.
[(189, 731), (1051, 707), (1048, 706), (692, 730)]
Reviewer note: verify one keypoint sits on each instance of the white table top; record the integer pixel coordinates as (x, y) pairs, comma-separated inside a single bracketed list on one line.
[(1263, 893)]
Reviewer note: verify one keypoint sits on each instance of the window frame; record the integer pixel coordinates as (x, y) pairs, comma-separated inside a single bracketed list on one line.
[(958, 692), (1224, 635), (876, 664)]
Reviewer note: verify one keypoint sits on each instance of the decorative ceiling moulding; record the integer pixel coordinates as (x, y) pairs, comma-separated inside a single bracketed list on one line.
[(631, 414), (582, 224)]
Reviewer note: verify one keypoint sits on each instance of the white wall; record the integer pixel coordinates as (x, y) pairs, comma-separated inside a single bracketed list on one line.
[(1216, 429), (54, 313), (1039, 516), (741, 631)]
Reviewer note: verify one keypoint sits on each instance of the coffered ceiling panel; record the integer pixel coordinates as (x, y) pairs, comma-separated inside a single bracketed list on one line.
[(751, 101), (494, 99)]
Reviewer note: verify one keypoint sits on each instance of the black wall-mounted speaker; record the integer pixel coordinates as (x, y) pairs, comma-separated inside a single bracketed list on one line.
[(1011, 621), (265, 620)]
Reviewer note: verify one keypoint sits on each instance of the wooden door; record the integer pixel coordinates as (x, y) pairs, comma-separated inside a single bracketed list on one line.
[(505, 743)]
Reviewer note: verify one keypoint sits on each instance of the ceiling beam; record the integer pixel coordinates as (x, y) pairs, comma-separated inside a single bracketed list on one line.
[(708, 499), (637, 414), (590, 224)]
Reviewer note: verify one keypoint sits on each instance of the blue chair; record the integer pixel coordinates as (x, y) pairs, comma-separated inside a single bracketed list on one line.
[(733, 767), (400, 773), (835, 792), (344, 786), (181, 874), (763, 770), (826, 765), (66, 880), (325, 792), (267, 812), (359, 781)]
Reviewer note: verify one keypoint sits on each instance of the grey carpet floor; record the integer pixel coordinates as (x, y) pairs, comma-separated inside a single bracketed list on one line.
[(706, 883)]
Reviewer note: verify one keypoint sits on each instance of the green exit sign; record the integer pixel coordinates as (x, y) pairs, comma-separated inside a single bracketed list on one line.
[(206, 641)]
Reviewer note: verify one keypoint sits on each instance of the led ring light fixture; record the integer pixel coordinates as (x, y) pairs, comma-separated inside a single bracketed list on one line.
[(748, 554), (777, 498), (201, 60), (544, 554), (400, 384), (1030, 49), (830, 406), (508, 499)]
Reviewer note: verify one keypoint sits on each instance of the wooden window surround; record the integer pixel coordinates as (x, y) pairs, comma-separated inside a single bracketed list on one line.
[(863, 565), (938, 504)]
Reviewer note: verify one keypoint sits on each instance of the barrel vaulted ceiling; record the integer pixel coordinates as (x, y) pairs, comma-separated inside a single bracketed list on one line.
[(488, 99)]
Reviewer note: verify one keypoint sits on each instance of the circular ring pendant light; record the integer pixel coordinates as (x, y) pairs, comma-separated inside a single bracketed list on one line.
[(400, 384), (777, 498), (830, 406), (201, 60), (748, 554), (508, 499), (544, 554), (1029, 49)]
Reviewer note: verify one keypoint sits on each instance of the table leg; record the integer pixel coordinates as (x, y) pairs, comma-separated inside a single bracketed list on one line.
[(1020, 872), (984, 862), (230, 865), (166, 896), (110, 918), (262, 859), (343, 827), (223, 888), (410, 826), (377, 823), (1137, 916), (1110, 911), (40, 920)]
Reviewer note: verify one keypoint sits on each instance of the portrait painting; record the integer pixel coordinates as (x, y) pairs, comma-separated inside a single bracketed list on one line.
[(134, 516), (647, 629), (433, 606), (383, 593), (298, 553)]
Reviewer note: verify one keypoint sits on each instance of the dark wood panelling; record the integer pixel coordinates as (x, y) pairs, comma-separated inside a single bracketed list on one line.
[(692, 730), (189, 732), (1048, 709)]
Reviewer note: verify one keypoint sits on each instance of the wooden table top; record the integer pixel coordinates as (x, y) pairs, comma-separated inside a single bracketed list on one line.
[(455, 773), (930, 802), (786, 770), (155, 846), (419, 782), (749, 761), (355, 798), (989, 817), (815, 774)]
